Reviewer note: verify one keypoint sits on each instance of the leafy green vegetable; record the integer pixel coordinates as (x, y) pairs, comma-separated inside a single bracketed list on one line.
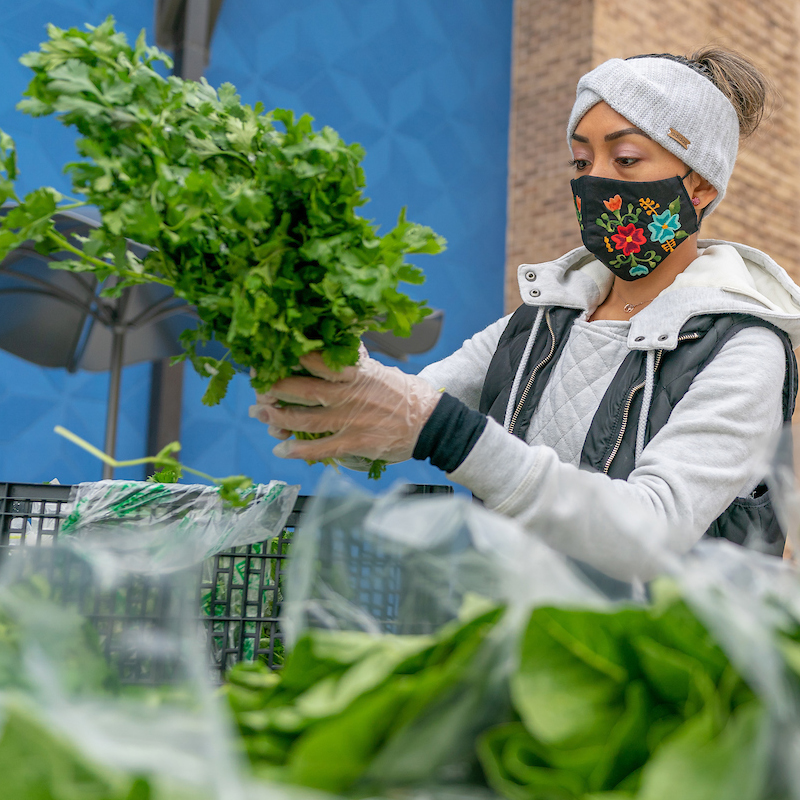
[(234, 490), (37, 764), (636, 703), (351, 709), (252, 217)]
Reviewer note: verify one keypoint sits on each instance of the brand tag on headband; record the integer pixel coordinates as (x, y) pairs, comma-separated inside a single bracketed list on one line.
[(679, 138)]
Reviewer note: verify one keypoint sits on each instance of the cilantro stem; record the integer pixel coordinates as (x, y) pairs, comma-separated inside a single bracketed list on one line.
[(159, 460), (229, 154), (125, 273), (64, 243)]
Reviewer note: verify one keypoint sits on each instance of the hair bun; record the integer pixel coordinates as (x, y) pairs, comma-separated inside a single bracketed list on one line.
[(739, 80)]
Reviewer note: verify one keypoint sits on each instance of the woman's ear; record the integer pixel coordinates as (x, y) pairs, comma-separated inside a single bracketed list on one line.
[(701, 192)]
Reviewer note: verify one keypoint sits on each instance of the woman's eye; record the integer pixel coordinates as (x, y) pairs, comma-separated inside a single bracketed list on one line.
[(627, 161), (579, 164)]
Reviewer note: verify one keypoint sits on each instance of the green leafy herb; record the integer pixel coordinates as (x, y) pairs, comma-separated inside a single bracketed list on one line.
[(235, 490), (252, 216)]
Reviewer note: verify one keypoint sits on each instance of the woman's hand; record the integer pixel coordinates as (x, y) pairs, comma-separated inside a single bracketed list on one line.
[(371, 410)]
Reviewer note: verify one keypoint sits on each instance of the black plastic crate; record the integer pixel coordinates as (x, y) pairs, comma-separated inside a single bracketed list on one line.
[(238, 591)]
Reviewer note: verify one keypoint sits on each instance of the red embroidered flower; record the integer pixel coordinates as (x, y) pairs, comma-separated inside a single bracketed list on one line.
[(578, 203), (613, 204), (629, 239)]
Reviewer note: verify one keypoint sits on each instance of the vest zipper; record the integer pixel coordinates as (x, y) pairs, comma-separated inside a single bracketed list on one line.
[(626, 411), (534, 372)]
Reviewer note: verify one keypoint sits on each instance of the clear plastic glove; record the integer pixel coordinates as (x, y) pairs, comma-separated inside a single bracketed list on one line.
[(370, 410)]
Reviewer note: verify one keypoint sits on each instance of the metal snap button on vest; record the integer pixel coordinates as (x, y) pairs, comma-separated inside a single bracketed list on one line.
[(530, 275), (663, 337), (534, 292), (639, 339)]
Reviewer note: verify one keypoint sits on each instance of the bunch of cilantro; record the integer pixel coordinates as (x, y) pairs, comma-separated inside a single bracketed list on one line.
[(252, 216)]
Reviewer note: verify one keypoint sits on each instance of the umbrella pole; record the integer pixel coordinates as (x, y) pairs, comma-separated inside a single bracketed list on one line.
[(117, 350)]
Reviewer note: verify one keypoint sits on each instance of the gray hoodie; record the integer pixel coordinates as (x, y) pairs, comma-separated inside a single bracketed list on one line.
[(710, 451)]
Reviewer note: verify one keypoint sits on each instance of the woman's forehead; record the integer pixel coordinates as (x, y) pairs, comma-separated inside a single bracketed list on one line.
[(601, 118)]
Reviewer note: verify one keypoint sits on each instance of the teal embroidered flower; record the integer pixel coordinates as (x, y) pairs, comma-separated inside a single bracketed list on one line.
[(663, 226)]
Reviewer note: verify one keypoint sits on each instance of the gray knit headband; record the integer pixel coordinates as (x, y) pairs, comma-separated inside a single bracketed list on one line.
[(675, 105)]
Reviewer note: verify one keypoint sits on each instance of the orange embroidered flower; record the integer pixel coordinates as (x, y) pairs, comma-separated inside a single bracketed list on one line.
[(578, 203), (614, 203)]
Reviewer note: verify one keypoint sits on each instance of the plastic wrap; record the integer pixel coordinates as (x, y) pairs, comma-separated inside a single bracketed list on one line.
[(393, 565), (159, 528), (405, 565), (113, 672), (429, 572), (104, 671), (417, 626)]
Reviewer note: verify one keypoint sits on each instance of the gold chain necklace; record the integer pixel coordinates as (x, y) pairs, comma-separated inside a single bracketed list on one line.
[(629, 307)]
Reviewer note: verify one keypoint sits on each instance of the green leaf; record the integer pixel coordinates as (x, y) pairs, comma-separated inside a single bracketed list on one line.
[(571, 676), (166, 475), (221, 373), (334, 755), (8, 157), (234, 490), (675, 206), (517, 768), (698, 762)]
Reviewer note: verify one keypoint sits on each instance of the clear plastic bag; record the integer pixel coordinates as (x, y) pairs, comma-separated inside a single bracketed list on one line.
[(156, 527), (110, 680), (103, 661), (405, 564), (435, 579), (398, 566)]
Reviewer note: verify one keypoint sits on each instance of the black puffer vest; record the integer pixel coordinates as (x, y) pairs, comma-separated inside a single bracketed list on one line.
[(610, 445)]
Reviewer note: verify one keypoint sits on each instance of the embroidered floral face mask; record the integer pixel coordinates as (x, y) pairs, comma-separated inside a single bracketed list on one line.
[(631, 226)]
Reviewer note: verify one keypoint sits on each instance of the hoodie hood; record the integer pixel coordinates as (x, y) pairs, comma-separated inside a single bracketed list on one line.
[(725, 278)]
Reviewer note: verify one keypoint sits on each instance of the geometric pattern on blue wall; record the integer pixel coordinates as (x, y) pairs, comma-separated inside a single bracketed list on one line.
[(33, 399), (424, 85)]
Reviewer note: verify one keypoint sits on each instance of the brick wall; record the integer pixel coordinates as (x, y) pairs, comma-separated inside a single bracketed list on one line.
[(552, 48), (555, 42)]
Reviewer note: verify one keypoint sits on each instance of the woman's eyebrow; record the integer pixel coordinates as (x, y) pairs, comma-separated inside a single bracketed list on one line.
[(625, 132), (611, 136)]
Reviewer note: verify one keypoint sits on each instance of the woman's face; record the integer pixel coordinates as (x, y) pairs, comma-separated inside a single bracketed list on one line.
[(606, 145)]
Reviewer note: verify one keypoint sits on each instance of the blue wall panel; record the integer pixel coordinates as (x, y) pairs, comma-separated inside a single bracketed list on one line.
[(32, 399), (424, 86)]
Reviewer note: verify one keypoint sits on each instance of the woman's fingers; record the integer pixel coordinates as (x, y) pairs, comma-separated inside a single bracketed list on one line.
[(261, 413), (307, 392), (314, 449), (315, 364), (309, 419), (278, 433)]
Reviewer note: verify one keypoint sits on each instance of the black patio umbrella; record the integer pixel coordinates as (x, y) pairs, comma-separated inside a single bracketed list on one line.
[(58, 318)]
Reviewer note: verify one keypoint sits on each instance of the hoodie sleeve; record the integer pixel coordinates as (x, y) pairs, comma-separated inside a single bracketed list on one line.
[(462, 374), (710, 451)]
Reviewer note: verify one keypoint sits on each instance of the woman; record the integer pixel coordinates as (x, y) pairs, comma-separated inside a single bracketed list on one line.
[(627, 402)]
